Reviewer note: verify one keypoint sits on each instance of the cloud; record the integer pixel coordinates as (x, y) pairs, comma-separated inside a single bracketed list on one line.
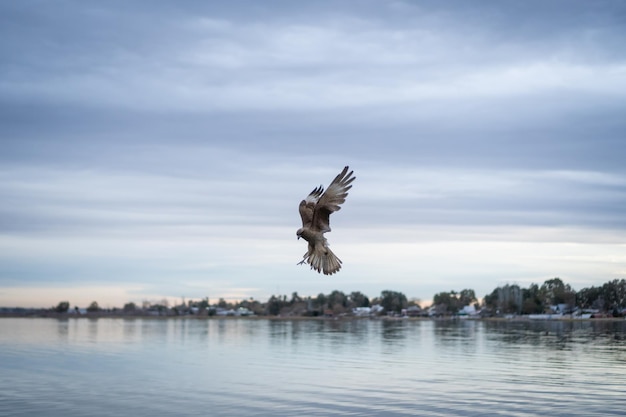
[(70, 201), (163, 148), (204, 63)]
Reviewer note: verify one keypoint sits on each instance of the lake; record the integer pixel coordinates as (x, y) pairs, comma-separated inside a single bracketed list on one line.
[(258, 367)]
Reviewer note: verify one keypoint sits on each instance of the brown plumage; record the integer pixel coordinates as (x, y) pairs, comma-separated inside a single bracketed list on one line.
[(315, 211)]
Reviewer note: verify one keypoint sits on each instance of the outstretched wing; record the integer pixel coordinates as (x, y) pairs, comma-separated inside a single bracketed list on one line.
[(329, 201), (307, 206)]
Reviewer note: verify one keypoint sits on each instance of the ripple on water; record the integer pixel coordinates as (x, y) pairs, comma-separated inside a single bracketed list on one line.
[(284, 368)]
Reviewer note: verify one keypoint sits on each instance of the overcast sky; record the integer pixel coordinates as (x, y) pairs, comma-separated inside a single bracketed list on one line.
[(153, 149)]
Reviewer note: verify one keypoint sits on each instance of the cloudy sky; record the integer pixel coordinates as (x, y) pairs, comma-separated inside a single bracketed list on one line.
[(154, 149)]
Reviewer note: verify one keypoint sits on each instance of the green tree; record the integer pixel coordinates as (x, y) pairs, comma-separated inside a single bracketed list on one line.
[(358, 299), (555, 291), (275, 304), (532, 300), (452, 301), (204, 303), (491, 300), (510, 299), (337, 299), (295, 298), (62, 307), (320, 301), (590, 298), (467, 297), (446, 299), (129, 307), (614, 294), (611, 296), (93, 307), (253, 305), (505, 299), (393, 301)]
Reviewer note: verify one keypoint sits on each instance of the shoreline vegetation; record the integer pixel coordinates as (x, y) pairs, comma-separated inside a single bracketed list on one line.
[(553, 300), (121, 315)]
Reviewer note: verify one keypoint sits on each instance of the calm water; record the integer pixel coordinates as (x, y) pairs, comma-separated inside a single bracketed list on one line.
[(223, 367)]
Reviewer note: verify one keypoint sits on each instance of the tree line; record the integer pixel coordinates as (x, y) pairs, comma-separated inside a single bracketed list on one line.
[(609, 298)]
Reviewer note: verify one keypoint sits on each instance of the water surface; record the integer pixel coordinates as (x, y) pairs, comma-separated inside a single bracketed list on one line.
[(257, 367)]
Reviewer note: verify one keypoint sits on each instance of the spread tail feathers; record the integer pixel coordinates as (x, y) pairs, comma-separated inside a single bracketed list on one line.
[(322, 259)]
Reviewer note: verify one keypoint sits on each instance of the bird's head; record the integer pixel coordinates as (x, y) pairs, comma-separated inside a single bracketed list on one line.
[(299, 233)]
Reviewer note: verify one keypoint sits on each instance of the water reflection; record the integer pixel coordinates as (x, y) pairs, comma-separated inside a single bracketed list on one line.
[(63, 329), (335, 333), (557, 335), (130, 329), (452, 331), (231, 367), (394, 331)]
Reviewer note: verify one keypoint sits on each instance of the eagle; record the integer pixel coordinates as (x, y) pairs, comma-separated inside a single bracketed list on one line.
[(315, 211)]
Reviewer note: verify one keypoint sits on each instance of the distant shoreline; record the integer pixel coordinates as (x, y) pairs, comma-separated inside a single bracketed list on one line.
[(65, 316)]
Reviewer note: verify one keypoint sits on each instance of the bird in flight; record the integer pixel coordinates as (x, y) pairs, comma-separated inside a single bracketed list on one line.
[(315, 211)]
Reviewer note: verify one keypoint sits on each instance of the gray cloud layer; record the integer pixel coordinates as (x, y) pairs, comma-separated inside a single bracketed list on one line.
[(174, 121)]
